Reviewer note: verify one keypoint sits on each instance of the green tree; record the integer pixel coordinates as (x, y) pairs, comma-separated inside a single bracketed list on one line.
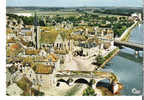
[(89, 92), (99, 60)]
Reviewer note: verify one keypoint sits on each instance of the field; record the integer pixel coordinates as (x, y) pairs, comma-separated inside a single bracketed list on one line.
[(62, 12), (59, 13)]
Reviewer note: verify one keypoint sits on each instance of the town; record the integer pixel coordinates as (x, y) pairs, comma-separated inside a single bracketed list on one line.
[(63, 54)]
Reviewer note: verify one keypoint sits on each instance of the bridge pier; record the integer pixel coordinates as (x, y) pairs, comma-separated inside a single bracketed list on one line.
[(93, 83), (70, 82)]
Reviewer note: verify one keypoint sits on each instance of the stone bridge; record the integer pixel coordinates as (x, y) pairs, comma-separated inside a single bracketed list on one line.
[(91, 78), (132, 45)]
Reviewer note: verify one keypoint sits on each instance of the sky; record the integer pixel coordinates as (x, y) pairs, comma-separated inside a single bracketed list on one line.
[(75, 3)]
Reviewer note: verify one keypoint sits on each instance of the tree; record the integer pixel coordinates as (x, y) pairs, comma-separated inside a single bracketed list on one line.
[(99, 60), (89, 92)]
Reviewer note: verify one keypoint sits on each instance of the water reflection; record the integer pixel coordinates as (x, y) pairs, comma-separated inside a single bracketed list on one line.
[(127, 66), (131, 57), (105, 85)]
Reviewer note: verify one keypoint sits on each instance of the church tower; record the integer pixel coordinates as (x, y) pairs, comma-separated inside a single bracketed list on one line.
[(142, 13), (36, 32)]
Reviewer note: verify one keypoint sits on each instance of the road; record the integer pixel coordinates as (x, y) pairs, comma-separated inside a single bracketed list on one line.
[(78, 64)]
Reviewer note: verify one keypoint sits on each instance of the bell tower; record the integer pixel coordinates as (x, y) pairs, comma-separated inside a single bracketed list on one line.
[(36, 32)]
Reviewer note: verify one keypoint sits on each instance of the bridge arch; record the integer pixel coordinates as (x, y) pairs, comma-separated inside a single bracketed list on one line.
[(61, 81), (106, 83), (81, 80)]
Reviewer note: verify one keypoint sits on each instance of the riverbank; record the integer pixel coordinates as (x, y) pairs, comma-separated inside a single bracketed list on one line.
[(110, 56), (124, 37), (126, 34), (126, 60)]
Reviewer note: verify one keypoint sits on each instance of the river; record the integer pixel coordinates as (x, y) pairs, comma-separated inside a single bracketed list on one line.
[(127, 66)]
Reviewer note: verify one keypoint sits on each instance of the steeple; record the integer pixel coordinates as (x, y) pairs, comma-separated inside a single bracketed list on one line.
[(36, 31), (35, 20), (143, 12)]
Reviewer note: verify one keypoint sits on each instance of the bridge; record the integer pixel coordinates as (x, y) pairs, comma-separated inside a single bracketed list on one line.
[(91, 78), (132, 45)]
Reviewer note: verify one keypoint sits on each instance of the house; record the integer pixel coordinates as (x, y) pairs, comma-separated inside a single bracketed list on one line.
[(59, 41), (25, 30), (10, 33), (25, 84), (45, 76), (32, 52), (107, 35), (27, 34), (91, 42), (53, 60), (11, 41), (42, 53), (8, 77), (107, 45), (55, 38), (14, 50), (14, 90), (9, 23), (30, 74), (16, 76), (136, 16), (79, 32), (50, 60), (28, 88), (43, 69)]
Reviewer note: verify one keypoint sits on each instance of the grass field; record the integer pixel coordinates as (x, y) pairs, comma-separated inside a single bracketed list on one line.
[(59, 13), (47, 13), (53, 13), (103, 15)]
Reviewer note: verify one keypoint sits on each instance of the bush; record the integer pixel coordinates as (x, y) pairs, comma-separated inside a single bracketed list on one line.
[(100, 60), (110, 54), (89, 92)]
